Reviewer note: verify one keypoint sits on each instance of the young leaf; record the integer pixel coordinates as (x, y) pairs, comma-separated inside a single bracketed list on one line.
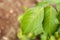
[(50, 20), (32, 21)]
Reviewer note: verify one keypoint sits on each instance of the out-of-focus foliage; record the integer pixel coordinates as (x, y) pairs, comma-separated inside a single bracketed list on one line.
[(42, 4), (52, 1), (58, 9), (44, 37), (52, 38), (40, 20)]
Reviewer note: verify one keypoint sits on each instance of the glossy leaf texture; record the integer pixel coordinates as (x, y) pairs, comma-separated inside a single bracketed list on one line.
[(50, 20), (32, 21)]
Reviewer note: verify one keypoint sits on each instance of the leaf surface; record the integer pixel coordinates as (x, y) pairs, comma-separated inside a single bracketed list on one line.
[(32, 20), (50, 20), (52, 1)]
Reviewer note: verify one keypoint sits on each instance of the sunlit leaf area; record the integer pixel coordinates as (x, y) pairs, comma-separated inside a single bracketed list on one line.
[(29, 19)]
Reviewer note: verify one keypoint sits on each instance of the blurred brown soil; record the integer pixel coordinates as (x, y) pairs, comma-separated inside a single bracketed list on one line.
[(9, 12)]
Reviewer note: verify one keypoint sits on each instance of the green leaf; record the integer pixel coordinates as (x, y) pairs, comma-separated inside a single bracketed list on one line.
[(52, 38), (50, 20), (58, 31), (59, 17), (52, 1), (44, 37), (58, 9), (32, 21), (20, 17), (42, 4)]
